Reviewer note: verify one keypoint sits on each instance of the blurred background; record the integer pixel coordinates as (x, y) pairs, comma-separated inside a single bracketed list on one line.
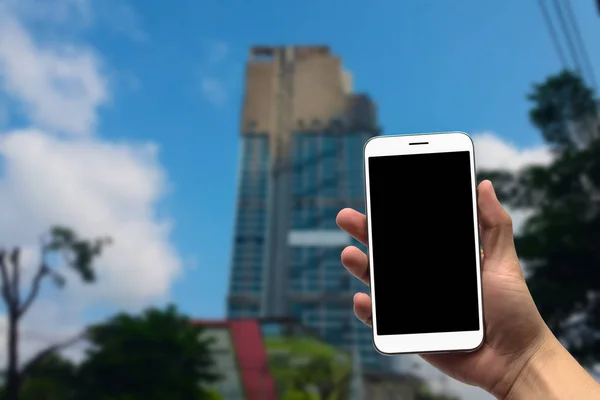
[(170, 175)]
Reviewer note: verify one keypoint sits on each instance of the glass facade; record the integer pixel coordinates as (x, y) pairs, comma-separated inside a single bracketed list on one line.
[(246, 278), (328, 176)]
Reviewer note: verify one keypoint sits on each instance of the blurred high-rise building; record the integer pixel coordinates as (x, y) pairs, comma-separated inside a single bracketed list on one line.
[(303, 130)]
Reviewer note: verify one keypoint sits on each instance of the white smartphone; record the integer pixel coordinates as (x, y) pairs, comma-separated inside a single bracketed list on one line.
[(423, 238)]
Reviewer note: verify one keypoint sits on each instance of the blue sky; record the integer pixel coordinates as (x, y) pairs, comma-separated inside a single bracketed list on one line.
[(99, 79), (430, 66), (176, 79)]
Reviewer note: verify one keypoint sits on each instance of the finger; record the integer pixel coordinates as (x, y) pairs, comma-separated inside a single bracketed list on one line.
[(497, 238), (354, 223), (362, 308), (357, 263)]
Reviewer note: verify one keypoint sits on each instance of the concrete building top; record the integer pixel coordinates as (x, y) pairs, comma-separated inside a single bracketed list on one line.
[(301, 88)]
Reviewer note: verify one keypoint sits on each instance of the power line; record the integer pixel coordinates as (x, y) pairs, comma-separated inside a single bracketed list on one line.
[(553, 35), (567, 34), (580, 43)]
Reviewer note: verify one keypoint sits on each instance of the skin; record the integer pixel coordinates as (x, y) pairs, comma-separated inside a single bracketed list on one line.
[(520, 357)]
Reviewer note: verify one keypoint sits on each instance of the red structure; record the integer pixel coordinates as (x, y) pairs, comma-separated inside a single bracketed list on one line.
[(251, 357)]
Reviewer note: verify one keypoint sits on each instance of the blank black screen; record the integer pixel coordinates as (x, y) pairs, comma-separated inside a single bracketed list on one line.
[(423, 243)]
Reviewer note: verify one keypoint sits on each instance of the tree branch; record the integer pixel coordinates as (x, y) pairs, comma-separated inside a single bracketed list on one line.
[(42, 271), (15, 260), (39, 357), (35, 288), (5, 280)]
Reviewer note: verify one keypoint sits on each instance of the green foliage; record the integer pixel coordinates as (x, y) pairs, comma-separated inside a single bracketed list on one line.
[(559, 101), (322, 375), (213, 394), (53, 378), (78, 253), (308, 369), (425, 394), (295, 394), (559, 242), (158, 355)]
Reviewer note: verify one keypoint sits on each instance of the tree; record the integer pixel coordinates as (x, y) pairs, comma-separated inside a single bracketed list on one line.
[(563, 111), (321, 376), (159, 354), (53, 378), (78, 254), (560, 242), (426, 394)]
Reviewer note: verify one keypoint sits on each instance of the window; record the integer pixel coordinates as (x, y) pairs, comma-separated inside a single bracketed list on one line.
[(310, 147), (337, 124), (298, 255), (332, 284), (263, 57), (358, 244), (271, 329), (329, 167), (298, 183), (297, 218), (309, 216), (311, 318), (329, 183), (297, 285), (328, 217), (345, 282), (328, 144)]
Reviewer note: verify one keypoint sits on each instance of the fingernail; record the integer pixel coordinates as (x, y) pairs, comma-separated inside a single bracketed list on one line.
[(493, 190)]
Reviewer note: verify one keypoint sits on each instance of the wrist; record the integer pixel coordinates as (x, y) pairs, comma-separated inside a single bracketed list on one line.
[(550, 372)]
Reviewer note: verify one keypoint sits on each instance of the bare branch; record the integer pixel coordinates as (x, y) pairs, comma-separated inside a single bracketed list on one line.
[(58, 278), (35, 288), (15, 260), (5, 280), (37, 280), (39, 357)]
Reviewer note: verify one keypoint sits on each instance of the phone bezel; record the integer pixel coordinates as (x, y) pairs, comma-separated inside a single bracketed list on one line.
[(441, 142)]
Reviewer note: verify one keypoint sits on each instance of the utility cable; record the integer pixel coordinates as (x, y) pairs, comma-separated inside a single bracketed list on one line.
[(580, 43), (553, 35), (567, 34)]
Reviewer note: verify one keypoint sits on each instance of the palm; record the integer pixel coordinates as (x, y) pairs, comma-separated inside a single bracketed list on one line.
[(514, 327), (507, 314)]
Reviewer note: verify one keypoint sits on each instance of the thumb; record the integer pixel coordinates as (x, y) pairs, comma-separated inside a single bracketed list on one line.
[(496, 227)]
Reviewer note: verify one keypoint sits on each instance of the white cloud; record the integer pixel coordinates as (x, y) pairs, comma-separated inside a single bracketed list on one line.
[(98, 188), (73, 16), (213, 85), (59, 87), (94, 186), (4, 114), (493, 152), (214, 90), (121, 18), (217, 51), (41, 329), (52, 12)]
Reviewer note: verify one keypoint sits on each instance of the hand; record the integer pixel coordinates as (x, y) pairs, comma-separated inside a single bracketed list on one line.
[(515, 331)]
